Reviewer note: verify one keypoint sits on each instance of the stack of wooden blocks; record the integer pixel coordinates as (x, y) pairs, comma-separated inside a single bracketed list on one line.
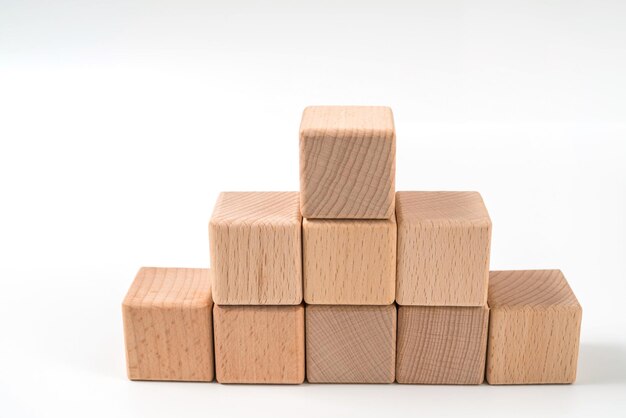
[(351, 282)]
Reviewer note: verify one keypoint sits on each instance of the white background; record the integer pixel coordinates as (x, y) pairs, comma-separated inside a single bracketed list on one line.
[(121, 121)]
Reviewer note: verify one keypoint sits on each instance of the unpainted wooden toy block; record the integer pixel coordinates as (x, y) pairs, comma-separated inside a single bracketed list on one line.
[(350, 344), (534, 330), (256, 248), (349, 262), (259, 344), (444, 240), (347, 162), (167, 325), (441, 344)]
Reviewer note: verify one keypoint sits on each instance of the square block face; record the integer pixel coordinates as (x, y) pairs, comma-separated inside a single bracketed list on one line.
[(256, 249), (167, 325), (444, 240), (350, 344), (347, 162), (441, 344), (259, 344), (534, 330), (349, 262)]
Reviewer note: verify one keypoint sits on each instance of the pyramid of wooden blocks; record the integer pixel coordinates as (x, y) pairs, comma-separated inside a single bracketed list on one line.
[(443, 249), (259, 344), (348, 281), (256, 249), (534, 328), (167, 325), (347, 162), (350, 344), (441, 344), (349, 262)]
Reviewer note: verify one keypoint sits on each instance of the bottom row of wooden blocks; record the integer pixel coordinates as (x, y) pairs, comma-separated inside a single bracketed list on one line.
[(530, 335)]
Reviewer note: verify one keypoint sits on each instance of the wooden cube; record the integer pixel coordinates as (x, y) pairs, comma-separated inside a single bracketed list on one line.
[(441, 344), (349, 262), (347, 162), (167, 325), (259, 344), (534, 330), (443, 249), (350, 344), (256, 249)]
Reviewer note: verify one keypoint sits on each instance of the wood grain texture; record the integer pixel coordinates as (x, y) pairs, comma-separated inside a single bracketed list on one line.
[(259, 344), (349, 262), (167, 325), (534, 330), (350, 344), (441, 344), (256, 249), (347, 162), (444, 241)]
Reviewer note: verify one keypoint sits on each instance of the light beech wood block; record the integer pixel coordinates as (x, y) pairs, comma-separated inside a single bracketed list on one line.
[(534, 330), (259, 344), (347, 162), (167, 325), (349, 262), (441, 344), (444, 241), (350, 344), (256, 249)]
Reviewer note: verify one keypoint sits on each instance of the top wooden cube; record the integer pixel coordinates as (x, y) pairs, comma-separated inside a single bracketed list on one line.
[(347, 162), (256, 249), (443, 249)]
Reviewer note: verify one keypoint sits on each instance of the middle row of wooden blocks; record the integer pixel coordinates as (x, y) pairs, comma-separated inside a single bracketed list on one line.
[(433, 252)]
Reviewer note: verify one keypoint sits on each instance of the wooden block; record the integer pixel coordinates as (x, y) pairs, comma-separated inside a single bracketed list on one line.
[(441, 344), (349, 262), (347, 162), (167, 325), (350, 344), (259, 344), (256, 249), (443, 249), (534, 330)]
